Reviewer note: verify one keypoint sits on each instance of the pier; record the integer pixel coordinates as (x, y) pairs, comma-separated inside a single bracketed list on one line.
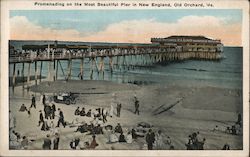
[(174, 48)]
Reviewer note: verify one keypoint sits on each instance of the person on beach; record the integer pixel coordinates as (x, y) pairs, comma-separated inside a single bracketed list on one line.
[(104, 115), (134, 135), (41, 99), (97, 130), (82, 112), (136, 106), (12, 123), (53, 110), (61, 118), (122, 138), (47, 143), (52, 127), (77, 111), (150, 139), (41, 120), (239, 121), (33, 101), (113, 102), (88, 113), (119, 106), (93, 144), (56, 141), (111, 112), (24, 142), (29, 113), (159, 141), (44, 100), (129, 138), (23, 108), (226, 147), (168, 141), (118, 128), (47, 111), (74, 143), (45, 126)]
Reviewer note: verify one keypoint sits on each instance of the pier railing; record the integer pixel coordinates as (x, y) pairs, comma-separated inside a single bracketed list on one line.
[(163, 53)]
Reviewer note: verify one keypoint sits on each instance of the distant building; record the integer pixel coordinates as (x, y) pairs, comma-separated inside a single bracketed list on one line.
[(189, 43)]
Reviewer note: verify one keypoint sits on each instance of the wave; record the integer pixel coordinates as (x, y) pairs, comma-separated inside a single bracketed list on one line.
[(224, 71)]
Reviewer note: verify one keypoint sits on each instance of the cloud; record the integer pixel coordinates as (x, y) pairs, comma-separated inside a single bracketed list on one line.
[(133, 30), (22, 29)]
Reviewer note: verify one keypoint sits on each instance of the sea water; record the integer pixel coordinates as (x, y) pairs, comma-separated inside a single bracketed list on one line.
[(226, 73)]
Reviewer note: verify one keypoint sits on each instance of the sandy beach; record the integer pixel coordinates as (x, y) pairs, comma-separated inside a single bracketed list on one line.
[(176, 111)]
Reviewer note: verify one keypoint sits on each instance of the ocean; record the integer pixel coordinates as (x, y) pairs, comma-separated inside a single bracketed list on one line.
[(226, 73)]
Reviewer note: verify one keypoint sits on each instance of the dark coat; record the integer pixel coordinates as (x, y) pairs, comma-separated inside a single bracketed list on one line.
[(122, 138), (41, 117), (47, 143), (56, 142), (150, 138)]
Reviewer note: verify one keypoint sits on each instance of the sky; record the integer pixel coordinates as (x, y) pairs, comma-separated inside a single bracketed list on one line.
[(133, 26)]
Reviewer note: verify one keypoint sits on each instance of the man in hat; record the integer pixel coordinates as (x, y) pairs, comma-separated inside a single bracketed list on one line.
[(61, 118), (33, 101)]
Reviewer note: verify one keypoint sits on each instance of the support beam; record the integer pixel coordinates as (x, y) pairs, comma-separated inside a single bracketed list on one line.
[(54, 69), (57, 69), (69, 69), (41, 69), (81, 68), (36, 72), (49, 71), (92, 68), (101, 67), (28, 77), (23, 74), (111, 64), (14, 75)]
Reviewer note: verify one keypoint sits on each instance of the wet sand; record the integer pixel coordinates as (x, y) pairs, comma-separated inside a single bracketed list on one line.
[(177, 111)]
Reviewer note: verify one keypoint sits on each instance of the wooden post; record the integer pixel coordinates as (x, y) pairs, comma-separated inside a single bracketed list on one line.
[(81, 68), (92, 68), (14, 75), (49, 71), (23, 74), (102, 67), (111, 64), (36, 72), (57, 68), (41, 67), (54, 69), (28, 77), (69, 69)]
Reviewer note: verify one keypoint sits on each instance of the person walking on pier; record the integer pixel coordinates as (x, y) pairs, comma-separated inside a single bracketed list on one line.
[(119, 106), (137, 106), (33, 101)]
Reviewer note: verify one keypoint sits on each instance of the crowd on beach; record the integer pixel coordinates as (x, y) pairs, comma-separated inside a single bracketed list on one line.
[(96, 125)]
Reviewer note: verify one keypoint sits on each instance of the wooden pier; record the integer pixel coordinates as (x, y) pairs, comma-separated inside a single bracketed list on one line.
[(117, 56)]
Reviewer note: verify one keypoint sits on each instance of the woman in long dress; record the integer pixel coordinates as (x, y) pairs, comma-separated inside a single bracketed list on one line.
[(111, 112), (159, 141)]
